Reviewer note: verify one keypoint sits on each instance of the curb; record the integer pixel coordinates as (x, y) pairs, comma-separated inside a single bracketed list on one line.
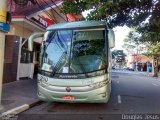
[(17, 110)]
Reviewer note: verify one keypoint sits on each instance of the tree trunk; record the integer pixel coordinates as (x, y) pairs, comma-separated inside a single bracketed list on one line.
[(155, 65)]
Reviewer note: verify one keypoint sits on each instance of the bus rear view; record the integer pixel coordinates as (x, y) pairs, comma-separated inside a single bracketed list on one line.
[(75, 62)]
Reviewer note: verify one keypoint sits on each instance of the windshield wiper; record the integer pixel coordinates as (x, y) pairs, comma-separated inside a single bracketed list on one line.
[(58, 64), (50, 39)]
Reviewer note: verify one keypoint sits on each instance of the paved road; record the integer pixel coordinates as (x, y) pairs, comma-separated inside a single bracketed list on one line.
[(129, 72), (133, 97)]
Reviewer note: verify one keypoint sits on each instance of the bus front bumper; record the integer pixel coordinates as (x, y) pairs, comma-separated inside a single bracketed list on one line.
[(99, 95)]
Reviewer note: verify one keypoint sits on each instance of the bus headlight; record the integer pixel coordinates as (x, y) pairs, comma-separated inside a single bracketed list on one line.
[(42, 81), (99, 84)]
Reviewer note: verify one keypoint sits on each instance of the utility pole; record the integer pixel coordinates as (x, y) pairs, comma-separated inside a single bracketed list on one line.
[(137, 59), (155, 66), (2, 44), (3, 16)]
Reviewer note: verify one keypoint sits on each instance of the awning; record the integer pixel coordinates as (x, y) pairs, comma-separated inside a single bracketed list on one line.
[(31, 25)]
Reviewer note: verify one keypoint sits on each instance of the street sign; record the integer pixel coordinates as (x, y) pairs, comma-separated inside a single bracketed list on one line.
[(155, 62), (3, 12), (4, 27)]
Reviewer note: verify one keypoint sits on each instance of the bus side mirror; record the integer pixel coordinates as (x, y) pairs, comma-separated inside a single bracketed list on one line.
[(31, 39), (111, 38)]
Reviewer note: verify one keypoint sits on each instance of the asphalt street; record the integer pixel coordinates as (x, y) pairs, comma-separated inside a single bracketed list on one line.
[(133, 97)]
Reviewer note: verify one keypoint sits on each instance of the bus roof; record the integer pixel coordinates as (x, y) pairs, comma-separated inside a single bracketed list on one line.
[(77, 25)]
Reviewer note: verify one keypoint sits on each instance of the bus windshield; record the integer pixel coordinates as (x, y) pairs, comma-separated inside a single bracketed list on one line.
[(74, 51)]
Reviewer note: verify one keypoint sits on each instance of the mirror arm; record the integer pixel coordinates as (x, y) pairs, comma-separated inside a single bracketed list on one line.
[(31, 39)]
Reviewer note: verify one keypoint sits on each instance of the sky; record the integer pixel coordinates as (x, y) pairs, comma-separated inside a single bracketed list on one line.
[(120, 35)]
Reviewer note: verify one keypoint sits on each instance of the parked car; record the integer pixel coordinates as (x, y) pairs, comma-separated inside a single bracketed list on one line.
[(130, 69), (113, 67), (124, 67)]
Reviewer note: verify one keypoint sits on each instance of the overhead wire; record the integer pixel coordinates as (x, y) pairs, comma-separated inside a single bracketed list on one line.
[(11, 6), (59, 9), (55, 11), (42, 8), (51, 15), (64, 14)]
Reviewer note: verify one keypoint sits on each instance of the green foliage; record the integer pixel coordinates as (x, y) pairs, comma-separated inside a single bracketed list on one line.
[(153, 51), (132, 41), (73, 6), (149, 39), (134, 37), (118, 55), (100, 8), (119, 12), (132, 13)]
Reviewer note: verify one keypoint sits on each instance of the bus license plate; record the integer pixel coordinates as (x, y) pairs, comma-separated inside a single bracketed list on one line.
[(68, 97)]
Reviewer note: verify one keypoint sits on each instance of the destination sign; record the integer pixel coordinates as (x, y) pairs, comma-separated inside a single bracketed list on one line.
[(89, 35)]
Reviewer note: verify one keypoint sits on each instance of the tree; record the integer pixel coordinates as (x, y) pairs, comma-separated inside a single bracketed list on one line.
[(153, 50), (131, 42), (118, 56), (149, 40), (116, 12), (144, 15)]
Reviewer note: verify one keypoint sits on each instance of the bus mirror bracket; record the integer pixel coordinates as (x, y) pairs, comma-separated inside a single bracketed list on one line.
[(111, 38), (32, 38)]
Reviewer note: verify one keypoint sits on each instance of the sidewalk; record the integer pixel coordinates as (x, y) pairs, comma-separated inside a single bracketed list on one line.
[(18, 93)]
